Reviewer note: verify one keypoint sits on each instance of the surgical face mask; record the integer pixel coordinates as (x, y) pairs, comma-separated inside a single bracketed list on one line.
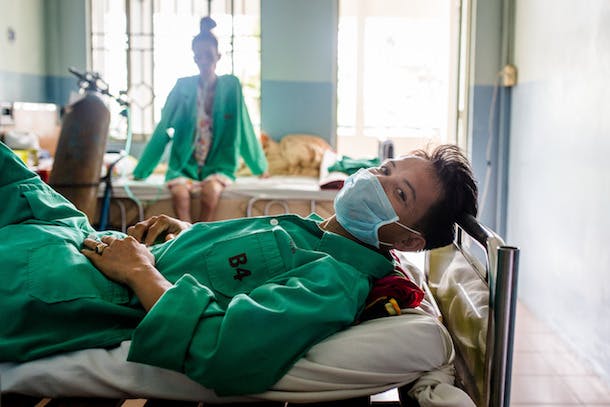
[(362, 207)]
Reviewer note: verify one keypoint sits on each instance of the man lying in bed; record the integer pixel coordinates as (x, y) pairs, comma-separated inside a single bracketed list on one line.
[(232, 304)]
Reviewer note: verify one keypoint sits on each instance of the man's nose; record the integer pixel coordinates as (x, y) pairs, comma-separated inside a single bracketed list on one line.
[(385, 184)]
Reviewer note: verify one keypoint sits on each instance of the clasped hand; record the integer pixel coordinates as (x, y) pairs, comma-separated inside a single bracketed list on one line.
[(123, 260)]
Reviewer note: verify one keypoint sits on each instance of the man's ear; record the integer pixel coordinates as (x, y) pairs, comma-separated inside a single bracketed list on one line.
[(413, 243)]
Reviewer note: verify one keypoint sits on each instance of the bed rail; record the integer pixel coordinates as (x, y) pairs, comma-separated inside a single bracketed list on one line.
[(496, 265)]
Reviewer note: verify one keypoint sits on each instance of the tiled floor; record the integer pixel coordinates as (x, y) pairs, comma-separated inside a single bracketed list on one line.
[(546, 373)]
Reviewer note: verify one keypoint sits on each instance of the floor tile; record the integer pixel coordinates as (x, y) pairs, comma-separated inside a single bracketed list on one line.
[(527, 322), (532, 363), (588, 389), (528, 325), (541, 389), (568, 364), (134, 403), (538, 342), (547, 373), (524, 311)]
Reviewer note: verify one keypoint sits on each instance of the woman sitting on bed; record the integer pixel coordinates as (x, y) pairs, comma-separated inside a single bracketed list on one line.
[(232, 304), (211, 130)]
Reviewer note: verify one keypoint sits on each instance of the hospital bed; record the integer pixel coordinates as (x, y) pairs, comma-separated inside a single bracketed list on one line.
[(135, 200), (464, 326)]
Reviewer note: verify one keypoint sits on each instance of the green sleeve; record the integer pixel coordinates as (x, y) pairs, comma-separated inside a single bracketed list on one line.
[(249, 346), (250, 147), (233, 133), (156, 145), (25, 196)]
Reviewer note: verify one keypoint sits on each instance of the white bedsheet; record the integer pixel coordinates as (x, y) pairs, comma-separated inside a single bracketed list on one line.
[(365, 359), (276, 187)]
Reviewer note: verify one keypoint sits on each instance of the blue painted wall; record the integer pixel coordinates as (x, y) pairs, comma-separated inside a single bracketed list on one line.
[(298, 67), (487, 111), (49, 36), (38, 88), (559, 188), (22, 61), (66, 46), (22, 87)]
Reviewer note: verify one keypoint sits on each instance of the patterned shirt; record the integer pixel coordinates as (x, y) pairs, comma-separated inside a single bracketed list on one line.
[(203, 138)]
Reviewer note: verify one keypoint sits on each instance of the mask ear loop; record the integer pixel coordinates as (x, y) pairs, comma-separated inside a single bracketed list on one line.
[(409, 229), (406, 228)]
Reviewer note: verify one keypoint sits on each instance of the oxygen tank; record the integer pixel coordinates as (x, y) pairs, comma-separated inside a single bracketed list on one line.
[(80, 152)]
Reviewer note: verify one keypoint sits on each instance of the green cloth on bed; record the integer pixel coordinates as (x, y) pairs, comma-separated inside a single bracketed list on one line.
[(351, 165)]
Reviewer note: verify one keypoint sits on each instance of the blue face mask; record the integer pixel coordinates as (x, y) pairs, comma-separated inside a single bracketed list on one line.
[(362, 207)]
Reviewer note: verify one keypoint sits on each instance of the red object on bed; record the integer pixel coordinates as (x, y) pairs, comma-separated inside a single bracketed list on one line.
[(390, 294)]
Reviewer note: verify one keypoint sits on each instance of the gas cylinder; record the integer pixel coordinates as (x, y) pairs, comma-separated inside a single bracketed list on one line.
[(77, 165)]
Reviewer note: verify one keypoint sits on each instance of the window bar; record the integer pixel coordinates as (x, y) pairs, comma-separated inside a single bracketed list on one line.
[(152, 63), (127, 4), (233, 37)]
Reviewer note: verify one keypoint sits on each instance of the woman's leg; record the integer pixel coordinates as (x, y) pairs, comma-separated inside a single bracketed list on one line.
[(211, 189), (181, 201)]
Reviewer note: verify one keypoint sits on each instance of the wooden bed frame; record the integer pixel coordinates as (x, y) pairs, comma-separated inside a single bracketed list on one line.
[(496, 266)]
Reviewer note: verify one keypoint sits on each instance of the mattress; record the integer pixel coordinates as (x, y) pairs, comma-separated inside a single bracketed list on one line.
[(368, 358)]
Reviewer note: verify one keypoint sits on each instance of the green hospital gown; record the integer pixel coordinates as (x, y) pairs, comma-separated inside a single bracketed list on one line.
[(232, 134), (250, 295)]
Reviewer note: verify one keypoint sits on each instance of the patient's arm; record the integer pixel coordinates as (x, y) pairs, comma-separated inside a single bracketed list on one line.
[(157, 227), (129, 262), (249, 345)]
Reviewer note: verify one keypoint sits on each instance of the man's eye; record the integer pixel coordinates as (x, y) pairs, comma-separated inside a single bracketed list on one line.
[(383, 169), (401, 194)]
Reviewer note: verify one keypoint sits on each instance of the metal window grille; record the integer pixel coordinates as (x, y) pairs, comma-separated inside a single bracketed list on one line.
[(143, 46)]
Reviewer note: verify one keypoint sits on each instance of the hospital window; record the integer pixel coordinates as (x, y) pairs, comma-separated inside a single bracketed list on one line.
[(144, 46), (398, 74)]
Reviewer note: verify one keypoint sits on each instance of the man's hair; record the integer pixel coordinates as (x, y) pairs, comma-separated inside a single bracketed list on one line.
[(458, 194)]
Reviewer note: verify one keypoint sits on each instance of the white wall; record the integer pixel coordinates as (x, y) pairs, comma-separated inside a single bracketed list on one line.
[(559, 185), (49, 36), (22, 58), (26, 53)]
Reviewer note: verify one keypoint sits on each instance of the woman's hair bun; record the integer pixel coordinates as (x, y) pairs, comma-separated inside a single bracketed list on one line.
[(206, 24)]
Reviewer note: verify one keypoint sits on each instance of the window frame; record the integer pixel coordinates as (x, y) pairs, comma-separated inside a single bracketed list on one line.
[(140, 33), (456, 128)]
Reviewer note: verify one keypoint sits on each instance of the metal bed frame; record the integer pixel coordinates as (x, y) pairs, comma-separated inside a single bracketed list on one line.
[(497, 267)]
